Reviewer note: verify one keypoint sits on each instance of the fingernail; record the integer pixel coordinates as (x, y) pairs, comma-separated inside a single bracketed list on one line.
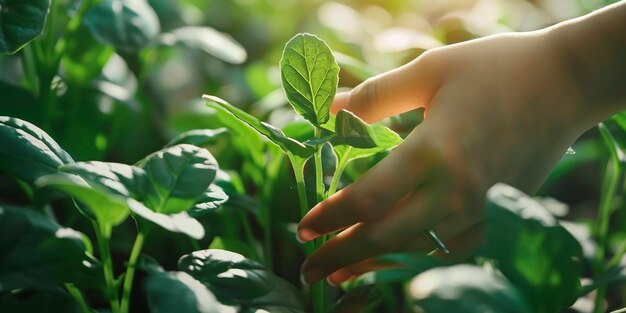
[(330, 282), (308, 277), (305, 235), (303, 280)]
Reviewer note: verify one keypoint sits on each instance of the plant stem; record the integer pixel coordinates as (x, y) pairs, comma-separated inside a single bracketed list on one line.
[(248, 233), (130, 270), (341, 166), (320, 189), (78, 296), (609, 187), (103, 234)]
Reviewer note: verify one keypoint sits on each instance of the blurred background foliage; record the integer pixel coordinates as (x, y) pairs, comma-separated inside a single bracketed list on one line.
[(119, 102)]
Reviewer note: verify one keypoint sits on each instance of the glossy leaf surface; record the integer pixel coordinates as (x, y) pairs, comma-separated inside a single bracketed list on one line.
[(538, 256), (207, 39), (309, 74), (127, 25), (28, 152), (20, 22)]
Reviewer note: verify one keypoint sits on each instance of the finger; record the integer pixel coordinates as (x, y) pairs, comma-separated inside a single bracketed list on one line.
[(462, 247), (399, 90), (369, 239), (375, 192), (352, 271)]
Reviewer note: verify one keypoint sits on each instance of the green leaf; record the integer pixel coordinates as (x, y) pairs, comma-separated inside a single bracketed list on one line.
[(212, 199), (275, 135), (177, 177), (532, 249), (356, 139), (199, 137), (120, 179), (207, 39), (179, 292), (465, 289), (177, 223), (127, 25), (37, 253), (28, 152), (310, 76), (20, 22), (103, 205), (233, 278)]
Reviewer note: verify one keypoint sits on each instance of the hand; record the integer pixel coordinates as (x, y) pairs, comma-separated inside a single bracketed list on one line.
[(497, 109)]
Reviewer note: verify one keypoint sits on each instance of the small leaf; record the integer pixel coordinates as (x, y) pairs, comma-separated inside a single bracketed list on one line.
[(199, 137), (177, 177), (177, 223), (127, 25), (20, 22), (532, 249), (103, 205), (309, 75), (28, 152), (275, 135), (179, 292), (37, 253), (233, 278), (212, 199), (207, 39), (465, 289)]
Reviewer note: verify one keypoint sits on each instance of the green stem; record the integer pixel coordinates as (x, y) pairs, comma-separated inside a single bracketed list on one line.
[(320, 189), (78, 296), (130, 270), (248, 233), (609, 187), (103, 234), (341, 166)]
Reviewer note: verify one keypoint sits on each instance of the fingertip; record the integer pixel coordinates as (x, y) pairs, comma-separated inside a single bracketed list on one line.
[(306, 234), (341, 101)]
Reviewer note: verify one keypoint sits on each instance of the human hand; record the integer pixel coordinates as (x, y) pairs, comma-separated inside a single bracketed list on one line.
[(497, 109)]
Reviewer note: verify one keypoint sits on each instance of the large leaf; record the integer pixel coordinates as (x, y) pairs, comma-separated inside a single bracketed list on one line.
[(120, 179), (102, 204), (28, 152), (20, 22), (532, 249), (199, 137), (465, 289), (275, 135), (235, 279), (309, 74), (127, 25), (177, 177), (179, 292), (207, 39), (37, 253)]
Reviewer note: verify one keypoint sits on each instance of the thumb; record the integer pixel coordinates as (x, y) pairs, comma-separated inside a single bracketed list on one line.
[(408, 87)]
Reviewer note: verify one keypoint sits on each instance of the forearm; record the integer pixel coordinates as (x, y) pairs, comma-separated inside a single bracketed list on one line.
[(593, 50)]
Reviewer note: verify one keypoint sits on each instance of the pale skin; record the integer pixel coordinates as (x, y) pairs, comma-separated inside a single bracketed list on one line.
[(502, 108)]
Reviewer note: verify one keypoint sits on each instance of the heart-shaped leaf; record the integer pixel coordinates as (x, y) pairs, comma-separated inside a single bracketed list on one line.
[(177, 177), (309, 74), (199, 137), (20, 22), (538, 256), (28, 152), (207, 39), (275, 135), (37, 253), (127, 25), (465, 289), (103, 205), (233, 278)]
